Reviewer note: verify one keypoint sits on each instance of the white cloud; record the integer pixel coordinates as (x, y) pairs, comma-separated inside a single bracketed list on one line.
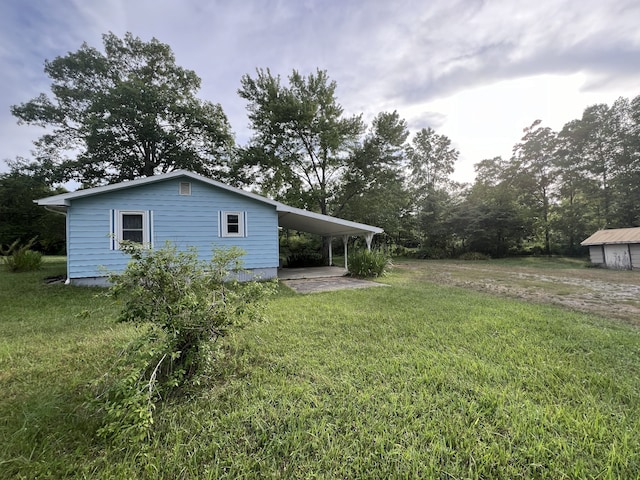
[(487, 121)]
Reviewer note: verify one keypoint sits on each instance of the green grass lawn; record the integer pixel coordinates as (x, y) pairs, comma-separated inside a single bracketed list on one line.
[(417, 380)]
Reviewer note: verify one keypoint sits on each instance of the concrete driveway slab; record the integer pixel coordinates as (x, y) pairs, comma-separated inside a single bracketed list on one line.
[(314, 285)]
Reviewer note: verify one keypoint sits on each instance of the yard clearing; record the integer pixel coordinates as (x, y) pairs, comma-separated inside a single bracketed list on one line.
[(421, 379), (566, 282)]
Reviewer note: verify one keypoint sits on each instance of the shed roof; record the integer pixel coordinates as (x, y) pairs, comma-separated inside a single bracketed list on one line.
[(614, 235), (288, 217)]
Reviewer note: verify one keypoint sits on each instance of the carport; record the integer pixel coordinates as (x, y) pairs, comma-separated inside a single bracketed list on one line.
[(325, 226)]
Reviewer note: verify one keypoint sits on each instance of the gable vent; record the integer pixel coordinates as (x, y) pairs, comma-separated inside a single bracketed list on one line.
[(185, 188)]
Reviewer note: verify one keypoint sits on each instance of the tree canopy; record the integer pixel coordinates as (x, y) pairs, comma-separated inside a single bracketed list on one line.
[(302, 140), (374, 189), (22, 220), (130, 111), (126, 113)]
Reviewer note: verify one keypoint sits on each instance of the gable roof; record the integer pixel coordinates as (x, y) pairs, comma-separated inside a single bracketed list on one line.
[(288, 217), (64, 199), (614, 235)]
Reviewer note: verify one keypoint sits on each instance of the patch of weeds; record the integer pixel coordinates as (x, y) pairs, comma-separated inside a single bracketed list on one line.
[(21, 258), (185, 305), (368, 263)]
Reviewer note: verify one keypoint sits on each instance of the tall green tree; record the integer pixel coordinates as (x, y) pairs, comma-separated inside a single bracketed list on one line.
[(302, 140), (374, 189), (600, 148), (124, 113), (431, 159), (431, 162), (575, 217), (533, 172), (491, 220), (625, 208)]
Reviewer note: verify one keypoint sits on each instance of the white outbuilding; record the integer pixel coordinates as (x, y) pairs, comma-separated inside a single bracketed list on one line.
[(617, 248)]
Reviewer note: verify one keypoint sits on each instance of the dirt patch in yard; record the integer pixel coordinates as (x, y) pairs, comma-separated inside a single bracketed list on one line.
[(605, 292)]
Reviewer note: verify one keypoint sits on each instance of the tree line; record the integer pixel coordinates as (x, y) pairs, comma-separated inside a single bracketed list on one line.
[(130, 111)]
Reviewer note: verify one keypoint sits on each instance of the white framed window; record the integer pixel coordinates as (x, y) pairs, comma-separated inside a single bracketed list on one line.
[(130, 225), (185, 188), (233, 224)]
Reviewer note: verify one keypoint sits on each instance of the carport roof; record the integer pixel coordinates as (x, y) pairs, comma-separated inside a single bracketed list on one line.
[(288, 217), (306, 221), (614, 235)]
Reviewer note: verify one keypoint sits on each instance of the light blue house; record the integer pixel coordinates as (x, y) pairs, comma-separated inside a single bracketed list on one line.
[(188, 210)]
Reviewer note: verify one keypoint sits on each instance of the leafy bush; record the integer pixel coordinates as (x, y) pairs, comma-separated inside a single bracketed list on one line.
[(474, 256), (183, 305), (22, 259), (367, 263)]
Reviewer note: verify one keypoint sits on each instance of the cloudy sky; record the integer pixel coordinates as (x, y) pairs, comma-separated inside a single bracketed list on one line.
[(478, 71)]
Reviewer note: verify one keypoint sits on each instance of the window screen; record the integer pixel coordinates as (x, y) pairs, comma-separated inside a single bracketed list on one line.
[(132, 227), (233, 223)]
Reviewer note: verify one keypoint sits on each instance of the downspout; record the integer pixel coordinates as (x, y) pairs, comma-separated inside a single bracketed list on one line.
[(55, 211)]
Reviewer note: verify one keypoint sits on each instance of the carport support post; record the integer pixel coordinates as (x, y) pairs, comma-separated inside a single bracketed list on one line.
[(330, 251), (345, 240), (368, 238)]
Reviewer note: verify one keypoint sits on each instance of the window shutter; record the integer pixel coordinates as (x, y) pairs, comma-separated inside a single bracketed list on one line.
[(150, 230), (245, 225), (113, 229)]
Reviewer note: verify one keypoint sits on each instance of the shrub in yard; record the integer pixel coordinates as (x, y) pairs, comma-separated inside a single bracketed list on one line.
[(474, 256), (183, 305), (21, 258), (366, 263)]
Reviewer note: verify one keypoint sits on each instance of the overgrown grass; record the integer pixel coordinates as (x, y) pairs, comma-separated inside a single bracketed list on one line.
[(543, 262), (54, 339), (411, 381)]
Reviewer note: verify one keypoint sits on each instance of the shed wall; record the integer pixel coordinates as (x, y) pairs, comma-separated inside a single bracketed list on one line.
[(185, 220), (617, 256), (596, 254), (634, 249)]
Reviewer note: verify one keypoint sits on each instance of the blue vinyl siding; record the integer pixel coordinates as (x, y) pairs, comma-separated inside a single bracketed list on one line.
[(185, 220)]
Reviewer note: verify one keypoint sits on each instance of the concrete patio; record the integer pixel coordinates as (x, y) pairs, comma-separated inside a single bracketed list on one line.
[(310, 272), (321, 279)]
